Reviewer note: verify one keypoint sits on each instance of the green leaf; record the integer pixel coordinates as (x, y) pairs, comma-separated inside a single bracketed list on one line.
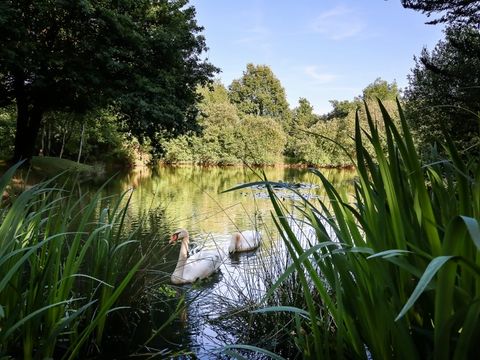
[(389, 253), (432, 268), (22, 321), (473, 229), (5, 179), (291, 309)]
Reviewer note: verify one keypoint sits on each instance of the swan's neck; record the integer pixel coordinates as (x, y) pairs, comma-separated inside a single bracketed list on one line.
[(234, 242), (177, 275)]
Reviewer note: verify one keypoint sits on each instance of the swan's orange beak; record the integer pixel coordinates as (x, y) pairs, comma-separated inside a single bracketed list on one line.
[(173, 238)]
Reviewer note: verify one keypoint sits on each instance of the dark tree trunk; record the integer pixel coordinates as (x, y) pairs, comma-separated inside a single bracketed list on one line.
[(28, 123)]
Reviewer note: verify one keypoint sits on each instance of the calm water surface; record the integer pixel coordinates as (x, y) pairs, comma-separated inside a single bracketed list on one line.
[(195, 199), (166, 198)]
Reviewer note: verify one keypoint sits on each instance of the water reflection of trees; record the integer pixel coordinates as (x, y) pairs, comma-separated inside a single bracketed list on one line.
[(193, 198)]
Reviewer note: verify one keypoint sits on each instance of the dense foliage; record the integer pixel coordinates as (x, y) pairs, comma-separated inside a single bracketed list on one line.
[(235, 131), (95, 137), (108, 81), (228, 136), (443, 97), (142, 57), (69, 265), (259, 92), (463, 12)]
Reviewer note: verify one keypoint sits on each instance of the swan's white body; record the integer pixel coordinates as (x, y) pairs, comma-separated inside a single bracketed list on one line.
[(244, 241), (198, 266)]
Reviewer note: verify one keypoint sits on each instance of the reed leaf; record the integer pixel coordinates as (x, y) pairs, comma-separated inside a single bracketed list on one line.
[(404, 221), (291, 309), (431, 270), (51, 289)]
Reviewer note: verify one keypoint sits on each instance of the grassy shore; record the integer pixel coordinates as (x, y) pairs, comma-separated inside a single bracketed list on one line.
[(69, 262)]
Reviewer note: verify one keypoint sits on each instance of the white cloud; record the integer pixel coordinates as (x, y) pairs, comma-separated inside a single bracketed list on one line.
[(320, 77), (338, 23)]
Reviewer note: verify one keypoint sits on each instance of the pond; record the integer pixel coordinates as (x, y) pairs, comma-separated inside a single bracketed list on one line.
[(194, 198), (164, 199)]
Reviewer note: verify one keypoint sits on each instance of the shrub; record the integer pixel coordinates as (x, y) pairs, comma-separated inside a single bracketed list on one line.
[(262, 140)]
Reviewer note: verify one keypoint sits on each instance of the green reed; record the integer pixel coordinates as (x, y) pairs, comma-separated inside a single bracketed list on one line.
[(65, 261), (400, 275)]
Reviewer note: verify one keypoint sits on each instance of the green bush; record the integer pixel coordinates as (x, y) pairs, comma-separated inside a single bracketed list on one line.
[(262, 140), (219, 141), (179, 149), (7, 132), (227, 140)]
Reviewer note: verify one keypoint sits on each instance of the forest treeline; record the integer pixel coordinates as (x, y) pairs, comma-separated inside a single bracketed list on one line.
[(120, 89), (251, 122), (104, 81)]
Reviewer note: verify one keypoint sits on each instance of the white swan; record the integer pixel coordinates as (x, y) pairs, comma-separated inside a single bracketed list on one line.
[(195, 267), (244, 241)]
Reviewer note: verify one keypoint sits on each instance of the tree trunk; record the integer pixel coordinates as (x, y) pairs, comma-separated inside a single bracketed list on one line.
[(28, 123), (81, 142), (63, 143), (26, 135)]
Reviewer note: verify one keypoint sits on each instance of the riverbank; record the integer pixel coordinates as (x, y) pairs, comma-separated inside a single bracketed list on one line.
[(286, 164)]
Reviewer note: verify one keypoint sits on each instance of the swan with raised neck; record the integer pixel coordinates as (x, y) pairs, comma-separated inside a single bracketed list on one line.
[(196, 267)]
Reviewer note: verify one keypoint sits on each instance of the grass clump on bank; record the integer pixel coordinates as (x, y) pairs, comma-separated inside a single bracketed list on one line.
[(58, 165), (69, 264), (400, 275)]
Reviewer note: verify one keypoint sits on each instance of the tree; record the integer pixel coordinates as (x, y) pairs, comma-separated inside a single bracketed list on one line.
[(302, 119), (382, 90), (263, 140), (219, 121), (443, 96), (217, 142), (341, 109), (329, 140), (258, 92), (303, 115), (141, 56), (459, 12), (213, 93)]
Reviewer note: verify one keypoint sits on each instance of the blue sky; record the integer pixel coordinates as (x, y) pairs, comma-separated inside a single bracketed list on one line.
[(321, 50)]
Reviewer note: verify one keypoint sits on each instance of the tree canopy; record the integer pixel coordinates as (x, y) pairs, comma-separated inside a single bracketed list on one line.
[(259, 92), (443, 96), (303, 114), (228, 136), (382, 90), (463, 12), (141, 57)]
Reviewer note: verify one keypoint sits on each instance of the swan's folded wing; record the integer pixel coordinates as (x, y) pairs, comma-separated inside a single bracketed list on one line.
[(201, 265)]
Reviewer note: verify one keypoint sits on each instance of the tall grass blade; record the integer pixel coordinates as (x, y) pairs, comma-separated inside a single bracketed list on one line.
[(431, 270), (291, 309), (104, 310)]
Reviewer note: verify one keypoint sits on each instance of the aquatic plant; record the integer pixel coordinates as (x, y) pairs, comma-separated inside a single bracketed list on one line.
[(68, 264), (400, 277)]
